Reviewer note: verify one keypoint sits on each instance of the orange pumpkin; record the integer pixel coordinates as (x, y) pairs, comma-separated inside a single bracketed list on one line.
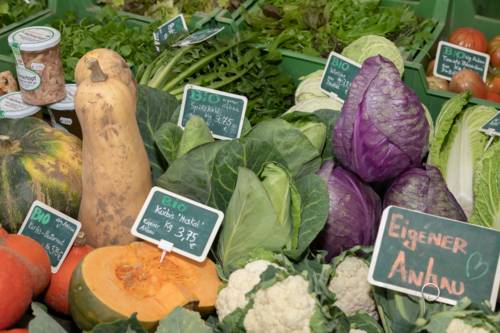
[(3, 233), (16, 330), (57, 295), (33, 256), (15, 288)]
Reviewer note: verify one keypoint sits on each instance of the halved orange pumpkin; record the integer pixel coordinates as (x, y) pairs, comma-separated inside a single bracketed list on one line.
[(116, 281)]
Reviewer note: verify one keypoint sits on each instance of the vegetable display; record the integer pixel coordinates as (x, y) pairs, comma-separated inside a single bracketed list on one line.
[(12, 11), (299, 194), (47, 165)]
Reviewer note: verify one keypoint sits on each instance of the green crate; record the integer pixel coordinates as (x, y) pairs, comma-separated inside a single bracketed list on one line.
[(463, 13), (232, 20)]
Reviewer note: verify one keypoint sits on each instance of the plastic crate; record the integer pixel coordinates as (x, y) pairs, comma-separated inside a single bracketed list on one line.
[(232, 20), (56, 9), (463, 13)]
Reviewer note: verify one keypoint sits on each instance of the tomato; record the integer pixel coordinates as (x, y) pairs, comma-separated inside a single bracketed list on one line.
[(494, 84), (493, 96), (469, 80), (469, 38), (494, 51)]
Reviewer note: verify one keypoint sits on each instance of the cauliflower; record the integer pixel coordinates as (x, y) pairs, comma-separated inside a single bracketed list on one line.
[(240, 283), (350, 285), (285, 307), (459, 326)]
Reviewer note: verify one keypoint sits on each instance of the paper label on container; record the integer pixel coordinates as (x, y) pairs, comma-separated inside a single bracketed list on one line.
[(338, 75), (28, 79)]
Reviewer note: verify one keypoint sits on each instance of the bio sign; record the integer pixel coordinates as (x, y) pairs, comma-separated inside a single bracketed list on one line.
[(451, 58), (338, 75), (421, 254), (223, 112), (168, 30), (188, 226), (492, 127), (55, 231)]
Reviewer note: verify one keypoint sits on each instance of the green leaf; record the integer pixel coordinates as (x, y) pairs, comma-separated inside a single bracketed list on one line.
[(130, 325), (293, 146), (250, 222), (196, 133), (191, 174), (154, 108), (43, 323), (315, 205), (181, 320), (486, 209), (168, 138), (4, 8), (249, 153), (363, 321)]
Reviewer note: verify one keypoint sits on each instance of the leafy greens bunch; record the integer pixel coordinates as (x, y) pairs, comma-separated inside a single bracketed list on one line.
[(106, 30), (233, 66), (12, 11), (316, 27), (165, 9)]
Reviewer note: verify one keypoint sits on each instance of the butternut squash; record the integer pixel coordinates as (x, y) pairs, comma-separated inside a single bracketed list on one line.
[(111, 63), (116, 177)]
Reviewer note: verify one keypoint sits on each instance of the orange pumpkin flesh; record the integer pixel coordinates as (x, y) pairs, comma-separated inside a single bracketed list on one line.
[(57, 295), (3, 232), (130, 278), (15, 288), (33, 255)]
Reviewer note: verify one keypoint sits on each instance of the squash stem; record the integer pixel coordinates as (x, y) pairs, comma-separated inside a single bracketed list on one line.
[(5, 142), (97, 74)]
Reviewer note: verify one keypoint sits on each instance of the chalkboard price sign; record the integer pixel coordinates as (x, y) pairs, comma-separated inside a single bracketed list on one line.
[(492, 127), (55, 231), (171, 28), (427, 255), (223, 112), (451, 58), (189, 226), (338, 75)]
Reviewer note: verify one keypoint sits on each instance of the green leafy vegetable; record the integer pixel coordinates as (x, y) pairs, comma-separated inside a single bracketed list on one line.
[(486, 209), (316, 27), (181, 320), (107, 29), (250, 222), (234, 66), (458, 145), (43, 323), (365, 322), (130, 325), (13, 11), (195, 134), (168, 138), (154, 108)]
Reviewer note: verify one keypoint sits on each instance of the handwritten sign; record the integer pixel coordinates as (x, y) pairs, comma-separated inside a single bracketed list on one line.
[(414, 250), (223, 112), (199, 36), (338, 75), (168, 30), (451, 58), (492, 127), (55, 231), (188, 225)]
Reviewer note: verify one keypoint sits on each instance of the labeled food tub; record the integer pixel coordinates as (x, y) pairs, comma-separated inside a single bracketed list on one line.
[(12, 106), (39, 68), (483, 15), (63, 115)]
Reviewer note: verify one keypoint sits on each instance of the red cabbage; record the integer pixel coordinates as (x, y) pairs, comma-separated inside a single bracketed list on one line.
[(382, 129), (355, 211), (424, 190)]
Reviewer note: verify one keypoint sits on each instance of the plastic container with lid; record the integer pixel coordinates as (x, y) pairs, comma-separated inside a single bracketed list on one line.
[(12, 106), (63, 115), (39, 67)]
